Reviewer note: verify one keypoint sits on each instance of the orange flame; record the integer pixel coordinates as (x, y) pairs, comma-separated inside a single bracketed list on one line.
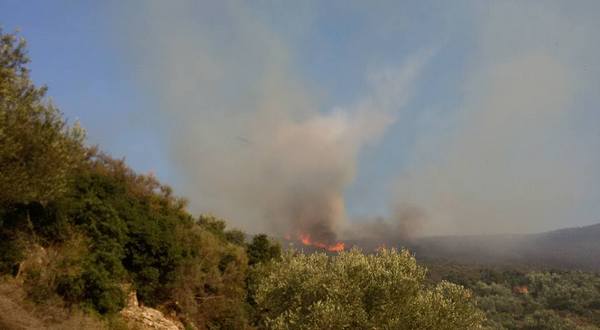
[(337, 247)]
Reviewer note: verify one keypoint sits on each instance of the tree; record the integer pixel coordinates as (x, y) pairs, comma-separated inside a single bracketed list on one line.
[(37, 147), (356, 291), (262, 249)]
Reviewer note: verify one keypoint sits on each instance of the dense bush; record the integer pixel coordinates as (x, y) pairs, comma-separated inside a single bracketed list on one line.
[(38, 150), (262, 250)]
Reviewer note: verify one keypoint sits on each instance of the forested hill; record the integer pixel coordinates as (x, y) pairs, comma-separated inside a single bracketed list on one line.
[(570, 248)]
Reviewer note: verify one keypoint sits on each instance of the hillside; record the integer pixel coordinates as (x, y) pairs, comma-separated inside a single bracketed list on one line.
[(569, 248)]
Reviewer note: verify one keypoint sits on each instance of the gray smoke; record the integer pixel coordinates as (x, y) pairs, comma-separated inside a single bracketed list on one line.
[(402, 227), (247, 134), (253, 145)]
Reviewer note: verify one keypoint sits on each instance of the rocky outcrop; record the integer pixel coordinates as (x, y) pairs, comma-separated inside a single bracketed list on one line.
[(147, 318)]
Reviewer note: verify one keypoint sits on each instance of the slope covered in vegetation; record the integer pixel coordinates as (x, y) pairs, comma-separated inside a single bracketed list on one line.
[(513, 297), (569, 248)]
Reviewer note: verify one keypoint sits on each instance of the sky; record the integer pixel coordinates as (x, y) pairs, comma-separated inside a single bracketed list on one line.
[(482, 115)]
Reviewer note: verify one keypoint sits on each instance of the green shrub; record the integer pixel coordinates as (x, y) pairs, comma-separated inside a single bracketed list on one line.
[(262, 249)]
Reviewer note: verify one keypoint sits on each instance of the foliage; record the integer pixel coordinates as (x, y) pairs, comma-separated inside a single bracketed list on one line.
[(210, 285), (262, 250), (518, 299), (217, 226), (138, 232), (357, 291), (263, 254), (12, 247), (19, 313), (37, 147)]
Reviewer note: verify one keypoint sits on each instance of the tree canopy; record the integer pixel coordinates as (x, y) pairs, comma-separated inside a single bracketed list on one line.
[(37, 147), (353, 290)]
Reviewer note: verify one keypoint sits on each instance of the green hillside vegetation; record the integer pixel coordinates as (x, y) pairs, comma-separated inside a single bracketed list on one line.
[(521, 298), (79, 229)]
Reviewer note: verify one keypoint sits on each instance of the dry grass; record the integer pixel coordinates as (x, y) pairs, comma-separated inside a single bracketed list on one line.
[(36, 283), (19, 313), (30, 302), (16, 313)]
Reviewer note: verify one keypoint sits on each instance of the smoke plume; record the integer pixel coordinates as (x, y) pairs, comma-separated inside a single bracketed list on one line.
[(252, 142), (402, 227), (247, 133)]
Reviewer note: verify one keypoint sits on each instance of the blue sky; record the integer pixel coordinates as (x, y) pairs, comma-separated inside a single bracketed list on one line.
[(156, 83), (73, 51)]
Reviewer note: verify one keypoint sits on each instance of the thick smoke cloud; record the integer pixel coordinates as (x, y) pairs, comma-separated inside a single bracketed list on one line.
[(403, 225), (248, 137)]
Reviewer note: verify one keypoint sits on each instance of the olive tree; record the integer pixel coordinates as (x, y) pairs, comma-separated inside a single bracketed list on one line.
[(37, 147), (353, 290)]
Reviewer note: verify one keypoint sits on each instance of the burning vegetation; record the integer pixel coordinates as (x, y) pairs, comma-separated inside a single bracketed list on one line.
[(334, 247)]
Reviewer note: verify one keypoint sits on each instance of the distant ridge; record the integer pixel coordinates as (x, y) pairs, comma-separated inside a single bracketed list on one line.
[(568, 248), (562, 249)]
